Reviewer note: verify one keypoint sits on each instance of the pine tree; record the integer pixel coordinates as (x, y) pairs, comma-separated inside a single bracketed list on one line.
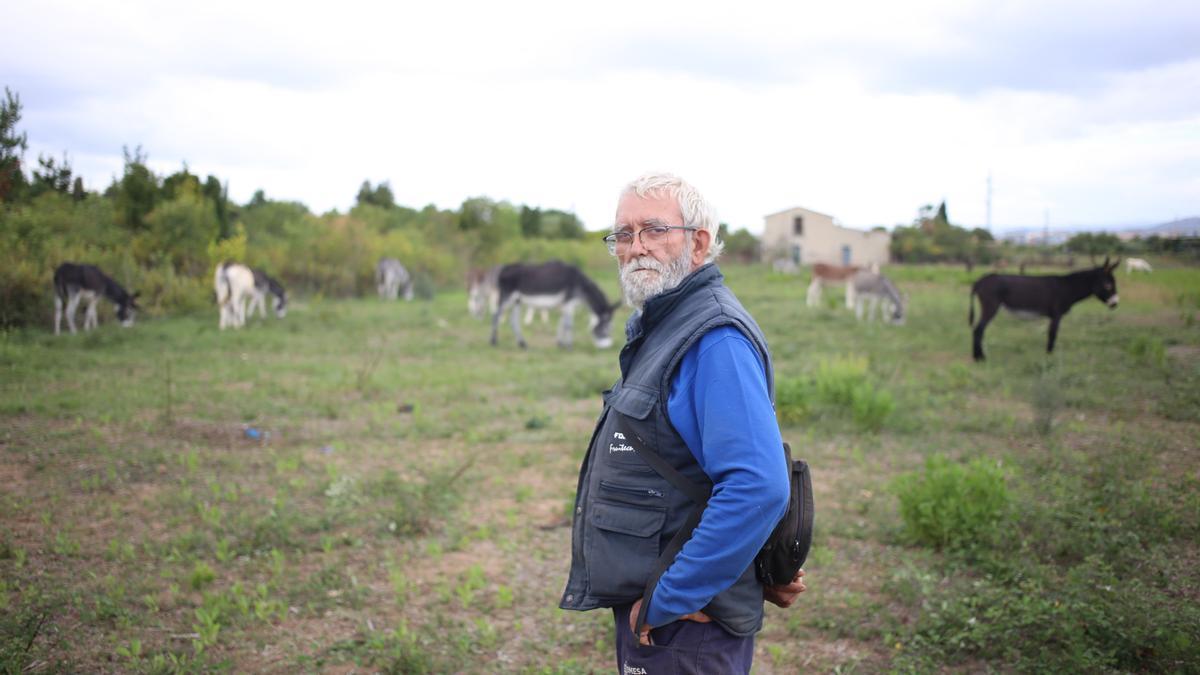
[(12, 147)]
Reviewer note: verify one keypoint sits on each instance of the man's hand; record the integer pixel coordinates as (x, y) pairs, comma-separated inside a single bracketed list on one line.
[(785, 595), (644, 633)]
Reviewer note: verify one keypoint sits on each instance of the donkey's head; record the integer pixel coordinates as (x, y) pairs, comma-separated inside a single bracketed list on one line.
[(1105, 286), (897, 317), (127, 308), (602, 325), (281, 304)]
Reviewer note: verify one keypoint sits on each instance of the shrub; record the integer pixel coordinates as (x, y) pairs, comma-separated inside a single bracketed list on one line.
[(952, 505), (870, 406), (841, 386), (1148, 349), (792, 400)]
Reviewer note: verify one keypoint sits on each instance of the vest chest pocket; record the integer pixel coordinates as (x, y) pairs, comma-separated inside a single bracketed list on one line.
[(622, 548), (629, 429)]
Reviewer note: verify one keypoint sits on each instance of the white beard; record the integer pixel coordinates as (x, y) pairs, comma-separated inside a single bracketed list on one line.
[(639, 287)]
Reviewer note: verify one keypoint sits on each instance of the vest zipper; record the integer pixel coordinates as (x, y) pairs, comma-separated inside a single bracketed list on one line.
[(641, 492)]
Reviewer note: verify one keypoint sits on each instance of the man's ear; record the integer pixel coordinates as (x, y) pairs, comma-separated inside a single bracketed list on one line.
[(701, 241)]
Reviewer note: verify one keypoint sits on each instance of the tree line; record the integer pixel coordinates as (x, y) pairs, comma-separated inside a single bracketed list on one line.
[(163, 234)]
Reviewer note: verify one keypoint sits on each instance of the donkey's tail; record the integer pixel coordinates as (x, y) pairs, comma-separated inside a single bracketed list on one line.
[(971, 307)]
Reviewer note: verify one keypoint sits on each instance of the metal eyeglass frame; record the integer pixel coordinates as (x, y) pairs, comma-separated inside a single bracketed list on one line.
[(613, 240)]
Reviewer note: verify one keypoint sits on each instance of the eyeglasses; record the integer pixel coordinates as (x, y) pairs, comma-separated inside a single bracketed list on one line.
[(651, 237)]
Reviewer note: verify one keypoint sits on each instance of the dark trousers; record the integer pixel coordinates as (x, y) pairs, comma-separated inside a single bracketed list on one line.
[(681, 647)]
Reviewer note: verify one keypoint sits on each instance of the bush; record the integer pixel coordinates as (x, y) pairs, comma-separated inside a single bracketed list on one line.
[(952, 505), (792, 400), (1149, 349), (1086, 619), (841, 387)]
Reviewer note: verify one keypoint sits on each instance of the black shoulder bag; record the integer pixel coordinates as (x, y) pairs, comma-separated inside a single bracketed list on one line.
[(780, 557)]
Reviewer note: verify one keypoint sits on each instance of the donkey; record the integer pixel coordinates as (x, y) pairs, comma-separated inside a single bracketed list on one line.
[(1137, 264), (831, 274), (880, 292), (264, 284), (1034, 296), (482, 290), (391, 277), (554, 284), (234, 285), (74, 282)]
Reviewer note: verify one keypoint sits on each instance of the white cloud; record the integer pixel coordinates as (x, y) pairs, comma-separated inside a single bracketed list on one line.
[(861, 110)]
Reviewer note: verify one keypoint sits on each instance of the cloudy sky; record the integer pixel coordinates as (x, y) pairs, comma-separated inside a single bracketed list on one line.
[(1084, 112)]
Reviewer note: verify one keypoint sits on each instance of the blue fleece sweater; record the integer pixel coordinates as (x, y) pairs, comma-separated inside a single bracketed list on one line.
[(719, 404)]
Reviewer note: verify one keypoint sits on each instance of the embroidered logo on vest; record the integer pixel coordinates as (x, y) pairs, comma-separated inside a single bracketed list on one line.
[(622, 446)]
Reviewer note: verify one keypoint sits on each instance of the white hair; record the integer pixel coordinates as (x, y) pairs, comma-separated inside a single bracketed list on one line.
[(696, 210)]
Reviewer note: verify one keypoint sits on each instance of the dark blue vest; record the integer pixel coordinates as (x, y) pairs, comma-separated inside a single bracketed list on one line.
[(625, 513)]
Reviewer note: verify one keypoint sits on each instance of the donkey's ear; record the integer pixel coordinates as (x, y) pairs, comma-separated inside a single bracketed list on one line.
[(1115, 264), (616, 305)]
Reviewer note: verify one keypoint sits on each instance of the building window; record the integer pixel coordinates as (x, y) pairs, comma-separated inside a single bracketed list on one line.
[(796, 255), (845, 255), (798, 225)]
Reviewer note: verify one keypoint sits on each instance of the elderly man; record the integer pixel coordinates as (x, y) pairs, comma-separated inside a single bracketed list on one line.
[(696, 390)]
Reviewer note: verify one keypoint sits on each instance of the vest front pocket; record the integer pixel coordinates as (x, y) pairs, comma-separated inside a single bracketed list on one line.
[(622, 548)]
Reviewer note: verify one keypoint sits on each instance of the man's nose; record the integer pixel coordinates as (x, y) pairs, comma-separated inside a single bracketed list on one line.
[(636, 248)]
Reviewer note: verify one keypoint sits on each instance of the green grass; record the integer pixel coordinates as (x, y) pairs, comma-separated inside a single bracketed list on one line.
[(405, 512)]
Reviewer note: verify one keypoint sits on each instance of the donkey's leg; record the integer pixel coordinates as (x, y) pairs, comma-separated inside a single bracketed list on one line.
[(498, 311), (814, 293), (515, 320), (566, 327), (1054, 320), (529, 311), (987, 310), (58, 310), (858, 310), (72, 307), (849, 294), (90, 320)]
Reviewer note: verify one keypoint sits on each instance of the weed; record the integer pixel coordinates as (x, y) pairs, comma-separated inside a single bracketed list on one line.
[(953, 505), (1148, 349), (202, 575)]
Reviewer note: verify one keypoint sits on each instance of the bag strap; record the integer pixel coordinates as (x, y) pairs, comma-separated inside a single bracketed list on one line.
[(696, 494)]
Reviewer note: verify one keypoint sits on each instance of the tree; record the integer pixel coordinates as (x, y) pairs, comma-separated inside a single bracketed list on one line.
[(531, 222), (381, 195), (181, 229), (1094, 243), (932, 237), (741, 245), (137, 192), (12, 146), (50, 176)]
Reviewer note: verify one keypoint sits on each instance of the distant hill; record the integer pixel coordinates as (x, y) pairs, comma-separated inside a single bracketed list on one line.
[(1189, 227)]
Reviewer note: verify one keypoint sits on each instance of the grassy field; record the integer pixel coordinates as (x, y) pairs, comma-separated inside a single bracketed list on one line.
[(404, 505)]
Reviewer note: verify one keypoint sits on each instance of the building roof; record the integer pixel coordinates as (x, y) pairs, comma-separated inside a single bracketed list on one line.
[(798, 207)]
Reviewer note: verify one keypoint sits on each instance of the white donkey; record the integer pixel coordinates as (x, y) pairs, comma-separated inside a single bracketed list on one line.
[(390, 277), (1137, 264), (234, 284)]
